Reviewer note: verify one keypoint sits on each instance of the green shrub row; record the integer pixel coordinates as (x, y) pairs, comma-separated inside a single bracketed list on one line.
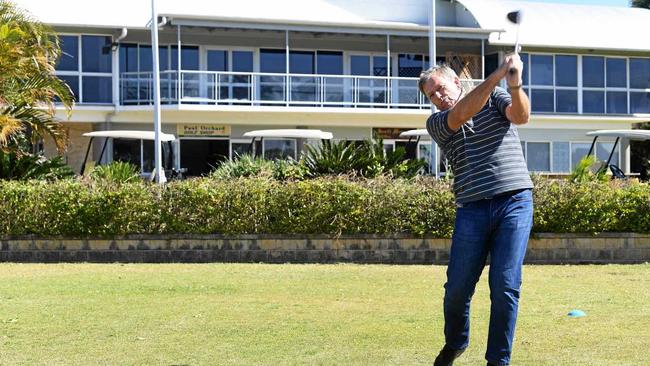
[(421, 206)]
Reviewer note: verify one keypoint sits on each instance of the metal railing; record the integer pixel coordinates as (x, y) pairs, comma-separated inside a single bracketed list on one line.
[(256, 88)]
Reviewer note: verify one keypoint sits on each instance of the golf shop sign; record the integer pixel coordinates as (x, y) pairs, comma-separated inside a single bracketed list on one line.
[(199, 130)]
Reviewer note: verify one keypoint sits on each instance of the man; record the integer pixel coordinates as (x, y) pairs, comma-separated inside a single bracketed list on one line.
[(494, 209)]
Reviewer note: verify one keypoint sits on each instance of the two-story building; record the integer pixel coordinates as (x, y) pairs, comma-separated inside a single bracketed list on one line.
[(348, 67)]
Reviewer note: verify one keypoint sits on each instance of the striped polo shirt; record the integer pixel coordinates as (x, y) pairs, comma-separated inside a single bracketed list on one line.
[(485, 153)]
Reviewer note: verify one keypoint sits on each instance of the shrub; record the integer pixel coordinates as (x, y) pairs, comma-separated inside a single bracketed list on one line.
[(20, 166), (366, 160), (328, 205), (584, 171), (116, 172), (244, 166)]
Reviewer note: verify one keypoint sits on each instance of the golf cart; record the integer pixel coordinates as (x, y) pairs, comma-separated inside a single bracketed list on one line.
[(167, 149), (285, 140), (641, 135), (414, 137)]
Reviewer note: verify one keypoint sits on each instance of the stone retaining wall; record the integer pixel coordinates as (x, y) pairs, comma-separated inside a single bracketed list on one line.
[(394, 249)]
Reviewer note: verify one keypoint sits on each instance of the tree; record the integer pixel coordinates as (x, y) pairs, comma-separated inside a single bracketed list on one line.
[(641, 4), (29, 88)]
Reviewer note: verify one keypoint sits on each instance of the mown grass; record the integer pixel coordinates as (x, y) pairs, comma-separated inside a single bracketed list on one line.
[(256, 314)]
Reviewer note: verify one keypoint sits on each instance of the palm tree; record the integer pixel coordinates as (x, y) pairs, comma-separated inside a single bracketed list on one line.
[(641, 4), (29, 51)]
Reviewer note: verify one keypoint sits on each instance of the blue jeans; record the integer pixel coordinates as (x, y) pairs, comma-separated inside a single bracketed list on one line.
[(499, 226)]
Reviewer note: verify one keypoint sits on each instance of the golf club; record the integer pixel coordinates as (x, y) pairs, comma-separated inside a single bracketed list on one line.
[(515, 18)]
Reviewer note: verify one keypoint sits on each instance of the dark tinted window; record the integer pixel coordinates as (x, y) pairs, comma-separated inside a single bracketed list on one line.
[(97, 89), (272, 61), (242, 61), (542, 70), (379, 67), (146, 58), (616, 73), (217, 60), (329, 63), (301, 62), (360, 65), (617, 102), (128, 57), (542, 100), (593, 102), (639, 102), (593, 71), (409, 65), (640, 73), (566, 70), (566, 101), (96, 54), (69, 60), (73, 83), (189, 58)]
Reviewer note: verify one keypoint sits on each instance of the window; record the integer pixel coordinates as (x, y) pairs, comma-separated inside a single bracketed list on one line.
[(86, 66), (561, 157), (231, 86), (409, 66), (69, 60), (279, 149), (616, 73), (578, 151), (272, 87), (96, 54), (141, 153), (593, 71), (603, 149), (425, 150), (331, 63), (239, 148), (639, 83), (370, 90), (538, 158), (136, 85), (303, 88), (551, 81)]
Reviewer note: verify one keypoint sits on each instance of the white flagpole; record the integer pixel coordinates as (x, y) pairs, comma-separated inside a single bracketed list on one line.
[(159, 171), (432, 63)]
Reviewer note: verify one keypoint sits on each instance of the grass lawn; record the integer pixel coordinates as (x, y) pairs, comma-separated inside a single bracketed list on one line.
[(257, 314)]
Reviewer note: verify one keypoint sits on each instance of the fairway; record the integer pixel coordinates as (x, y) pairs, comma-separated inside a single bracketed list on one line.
[(259, 314)]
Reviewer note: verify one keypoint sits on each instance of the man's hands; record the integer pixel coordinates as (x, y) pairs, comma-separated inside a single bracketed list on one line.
[(512, 62)]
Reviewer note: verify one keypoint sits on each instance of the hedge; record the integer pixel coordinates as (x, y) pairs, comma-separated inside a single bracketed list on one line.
[(422, 206)]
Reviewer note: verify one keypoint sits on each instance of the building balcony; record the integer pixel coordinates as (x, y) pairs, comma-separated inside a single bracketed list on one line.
[(272, 89)]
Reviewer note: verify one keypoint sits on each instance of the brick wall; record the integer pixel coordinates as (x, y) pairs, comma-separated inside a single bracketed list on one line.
[(542, 249), (76, 151)]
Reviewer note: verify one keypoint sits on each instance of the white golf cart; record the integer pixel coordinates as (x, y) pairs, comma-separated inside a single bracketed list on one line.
[(282, 143), (640, 135), (414, 137), (166, 139)]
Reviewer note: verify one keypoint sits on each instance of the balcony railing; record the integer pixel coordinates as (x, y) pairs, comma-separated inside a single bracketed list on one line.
[(254, 88)]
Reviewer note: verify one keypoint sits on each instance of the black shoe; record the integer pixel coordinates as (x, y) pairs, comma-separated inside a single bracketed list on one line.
[(447, 356)]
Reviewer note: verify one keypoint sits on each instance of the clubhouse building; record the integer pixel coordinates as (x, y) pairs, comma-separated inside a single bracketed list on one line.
[(349, 67)]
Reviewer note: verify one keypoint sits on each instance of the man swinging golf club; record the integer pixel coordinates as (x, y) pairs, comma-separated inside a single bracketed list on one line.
[(478, 134)]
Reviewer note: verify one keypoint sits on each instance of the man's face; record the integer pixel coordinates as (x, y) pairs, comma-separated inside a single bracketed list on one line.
[(442, 92)]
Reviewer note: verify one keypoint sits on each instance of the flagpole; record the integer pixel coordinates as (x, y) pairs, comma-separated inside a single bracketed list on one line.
[(158, 170)]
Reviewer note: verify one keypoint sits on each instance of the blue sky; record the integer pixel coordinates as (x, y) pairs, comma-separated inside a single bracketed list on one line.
[(624, 3)]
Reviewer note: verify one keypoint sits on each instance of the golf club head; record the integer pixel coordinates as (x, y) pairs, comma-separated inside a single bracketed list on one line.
[(514, 17)]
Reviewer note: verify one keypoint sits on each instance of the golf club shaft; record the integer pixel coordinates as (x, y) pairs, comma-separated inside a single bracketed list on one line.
[(512, 69)]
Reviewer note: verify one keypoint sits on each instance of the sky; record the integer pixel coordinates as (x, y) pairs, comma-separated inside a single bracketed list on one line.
[(623, 3)]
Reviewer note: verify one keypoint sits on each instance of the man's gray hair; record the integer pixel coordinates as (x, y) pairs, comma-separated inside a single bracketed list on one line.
[(442, 69)]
